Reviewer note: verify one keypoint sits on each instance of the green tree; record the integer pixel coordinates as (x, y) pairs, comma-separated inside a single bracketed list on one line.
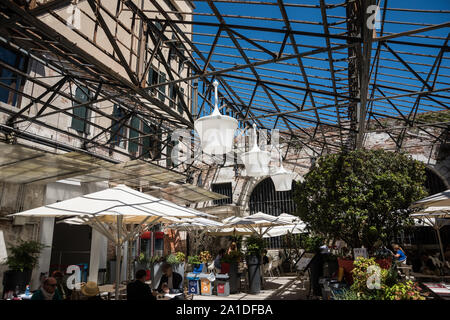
[(360, 196)]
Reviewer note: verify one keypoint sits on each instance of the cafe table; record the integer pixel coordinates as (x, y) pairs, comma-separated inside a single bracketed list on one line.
[(110, 289)]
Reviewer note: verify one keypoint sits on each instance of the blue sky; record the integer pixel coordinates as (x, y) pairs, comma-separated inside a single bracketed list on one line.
[(319, 78)]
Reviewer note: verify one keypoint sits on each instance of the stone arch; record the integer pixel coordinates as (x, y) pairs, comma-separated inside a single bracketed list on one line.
[(436, 182)]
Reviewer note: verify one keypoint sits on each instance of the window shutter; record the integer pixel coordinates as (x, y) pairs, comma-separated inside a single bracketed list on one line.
[(133, 143), (117, 134), (82, 112), (146, 141), (162, 89), (180, 105), (171, 95)]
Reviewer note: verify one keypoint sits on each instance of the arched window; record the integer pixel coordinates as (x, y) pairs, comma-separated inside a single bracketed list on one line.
[(265, 199)]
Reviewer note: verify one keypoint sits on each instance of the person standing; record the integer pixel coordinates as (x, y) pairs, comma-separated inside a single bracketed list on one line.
[(217, 260), (399, 254), (138, 289)]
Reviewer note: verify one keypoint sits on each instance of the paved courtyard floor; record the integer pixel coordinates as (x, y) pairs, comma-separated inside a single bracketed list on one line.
[(276, 288)]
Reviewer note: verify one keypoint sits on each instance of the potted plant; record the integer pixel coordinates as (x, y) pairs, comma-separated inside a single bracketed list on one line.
[(196, 263), (255, 245), (21, 261), (177, 262), (205, 258), (156, 263), (142, 262)]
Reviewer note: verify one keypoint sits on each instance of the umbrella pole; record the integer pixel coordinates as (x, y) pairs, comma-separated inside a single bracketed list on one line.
[(441, 247), (119, 254)]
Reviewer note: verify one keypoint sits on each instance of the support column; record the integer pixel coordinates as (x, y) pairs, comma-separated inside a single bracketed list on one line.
[(123, 272), (99, 243), (45, 238), (94, 260)]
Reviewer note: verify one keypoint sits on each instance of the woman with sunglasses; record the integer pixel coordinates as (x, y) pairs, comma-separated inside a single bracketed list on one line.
[(48, 291)]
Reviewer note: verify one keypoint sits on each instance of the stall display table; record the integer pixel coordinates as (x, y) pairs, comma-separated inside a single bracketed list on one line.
[(442, 290)]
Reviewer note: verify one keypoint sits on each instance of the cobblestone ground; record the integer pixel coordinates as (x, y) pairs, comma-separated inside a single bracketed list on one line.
[(276, 288)]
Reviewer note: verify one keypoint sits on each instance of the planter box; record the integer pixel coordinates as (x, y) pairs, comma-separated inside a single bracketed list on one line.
[(180, 269), (254, 274), (234, 279), (156, 274), (198, 268)]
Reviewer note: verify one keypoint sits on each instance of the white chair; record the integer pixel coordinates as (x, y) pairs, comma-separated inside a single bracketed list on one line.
[(268, 268), (211, 267), (276, 266)]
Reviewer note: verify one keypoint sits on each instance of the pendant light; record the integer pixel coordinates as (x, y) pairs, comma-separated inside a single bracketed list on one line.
[(256, 161), (281, 178), (216, 131)]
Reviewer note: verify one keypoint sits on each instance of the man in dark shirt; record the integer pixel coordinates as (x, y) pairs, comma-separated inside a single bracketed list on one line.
[(171, 282), (139, 290)]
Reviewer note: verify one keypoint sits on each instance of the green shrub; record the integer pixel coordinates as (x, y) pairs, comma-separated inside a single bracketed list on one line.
[(403, 291), (172, 259), (24, 256), (232, 257), (181, 257), (255, 245), (346, 294), (194, 260), (361, 276), (155, 259)]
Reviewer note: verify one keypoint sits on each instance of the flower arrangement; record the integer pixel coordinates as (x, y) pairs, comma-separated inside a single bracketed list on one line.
[(205, 256)]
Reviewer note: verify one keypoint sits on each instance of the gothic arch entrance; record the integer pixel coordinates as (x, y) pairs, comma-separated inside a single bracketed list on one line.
[(265, 199)]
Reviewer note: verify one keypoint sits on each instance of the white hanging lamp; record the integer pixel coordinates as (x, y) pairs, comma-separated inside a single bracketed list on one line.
[(256, 161), (282, 179), (216, 131)]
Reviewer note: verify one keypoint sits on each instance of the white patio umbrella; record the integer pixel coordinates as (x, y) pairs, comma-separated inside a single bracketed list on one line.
[(434, 211), (109, 210), (435, 217), (258, 223), (441, 199), (294, 228), (197, 226)]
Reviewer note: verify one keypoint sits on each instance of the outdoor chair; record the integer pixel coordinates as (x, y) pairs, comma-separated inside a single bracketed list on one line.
[(276, 266), (268, 268)]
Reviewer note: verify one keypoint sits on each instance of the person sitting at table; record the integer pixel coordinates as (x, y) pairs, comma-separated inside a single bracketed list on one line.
[(61, 287), (427, 266), (48, 290), (447, 253), (90, 291), (138, 289), (171, 282)]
